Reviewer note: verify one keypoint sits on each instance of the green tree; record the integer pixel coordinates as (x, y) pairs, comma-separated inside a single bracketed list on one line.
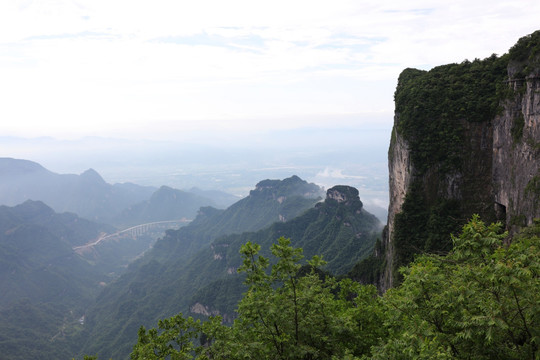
[(174, 339), (478, 302), (282, 316), (286, 316)]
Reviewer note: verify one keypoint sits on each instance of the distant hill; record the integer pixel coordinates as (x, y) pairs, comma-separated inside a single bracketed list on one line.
[(158, 284), (87, 195), (271, 201), (339, 229), (222, 199), (165, 204), (68, 227), (37, 261), (90, 197), (45, 286)]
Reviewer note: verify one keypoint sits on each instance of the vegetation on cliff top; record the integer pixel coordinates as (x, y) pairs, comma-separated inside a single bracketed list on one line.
[(525, 55), (431, 106)]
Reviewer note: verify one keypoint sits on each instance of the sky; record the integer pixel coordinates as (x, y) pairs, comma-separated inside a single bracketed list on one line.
[(229, 72), (154, 69)]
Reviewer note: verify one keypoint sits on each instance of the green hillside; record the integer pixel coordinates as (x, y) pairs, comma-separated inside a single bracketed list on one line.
[(271, 201), (163, 281), (479, 301), (164, 204), (339, 229), (87, 194), (46, 287)]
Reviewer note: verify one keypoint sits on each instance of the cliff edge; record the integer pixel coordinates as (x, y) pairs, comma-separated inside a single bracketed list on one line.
[(466, 140)]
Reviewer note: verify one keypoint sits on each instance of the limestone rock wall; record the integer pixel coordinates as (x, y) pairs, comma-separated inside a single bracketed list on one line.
[(516, 154), (499, 172), (400, 173)]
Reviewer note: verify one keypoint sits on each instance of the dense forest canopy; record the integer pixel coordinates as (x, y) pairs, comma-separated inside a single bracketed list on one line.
[(487, 308)]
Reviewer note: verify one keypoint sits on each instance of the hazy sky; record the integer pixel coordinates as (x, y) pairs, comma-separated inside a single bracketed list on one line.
[(224, 93), (173, 69)]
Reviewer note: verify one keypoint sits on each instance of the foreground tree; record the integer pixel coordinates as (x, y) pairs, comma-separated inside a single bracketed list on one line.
[(174, 339), (283, 315), (287, 316), (481, 301)]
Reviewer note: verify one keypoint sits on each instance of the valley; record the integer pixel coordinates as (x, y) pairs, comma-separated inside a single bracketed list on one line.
[(295, 270), (129, 257), (156, 228)]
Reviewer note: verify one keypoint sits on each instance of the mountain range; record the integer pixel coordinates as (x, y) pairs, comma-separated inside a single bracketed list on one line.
[(46, 286), (90, 197), (204, 254), (465, 140), (55, 274)]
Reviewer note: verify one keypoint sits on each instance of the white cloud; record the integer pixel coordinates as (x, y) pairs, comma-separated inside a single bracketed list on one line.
[(329, 174), (70, 68)]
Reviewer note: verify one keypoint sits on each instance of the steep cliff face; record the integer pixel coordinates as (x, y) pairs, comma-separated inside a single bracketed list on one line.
[(466, 139), (516, 148), (400, 171)]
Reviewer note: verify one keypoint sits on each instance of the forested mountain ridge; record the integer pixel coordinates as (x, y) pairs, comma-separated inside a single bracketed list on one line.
[(87, 194), (161, 283), (91, 197), (478, 301), (34, 239), (45, 286), (67, 226), (271, 201), (466, 140), (338, 229), (164, 204)]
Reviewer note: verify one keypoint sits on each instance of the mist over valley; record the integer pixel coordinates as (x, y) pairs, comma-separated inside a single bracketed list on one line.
[(325, 156), (269, 180)]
